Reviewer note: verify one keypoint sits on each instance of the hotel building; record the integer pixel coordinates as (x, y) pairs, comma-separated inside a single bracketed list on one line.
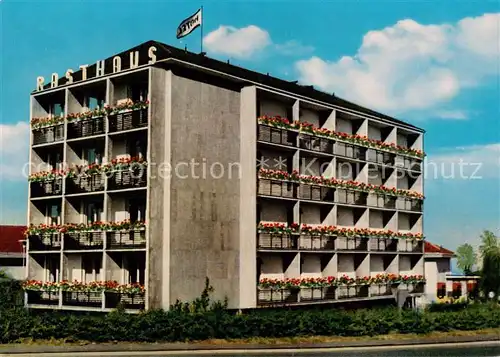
[(156, 168)]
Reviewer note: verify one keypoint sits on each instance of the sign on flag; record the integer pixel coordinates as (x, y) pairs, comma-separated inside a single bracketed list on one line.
[(189, 25)]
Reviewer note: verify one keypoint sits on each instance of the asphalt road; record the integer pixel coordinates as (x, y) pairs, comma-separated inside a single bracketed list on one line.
[(476, 349)]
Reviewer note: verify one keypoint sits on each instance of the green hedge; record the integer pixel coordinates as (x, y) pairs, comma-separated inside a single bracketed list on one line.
[(203, 321)]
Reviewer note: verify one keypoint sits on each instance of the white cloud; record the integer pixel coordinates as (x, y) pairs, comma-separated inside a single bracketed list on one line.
[(410, 66), (14, 139), (452, 114), (239, 43), (293, 48), (465, 163)]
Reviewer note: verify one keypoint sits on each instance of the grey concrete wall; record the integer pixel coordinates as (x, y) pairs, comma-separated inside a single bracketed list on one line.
[(205, 207)]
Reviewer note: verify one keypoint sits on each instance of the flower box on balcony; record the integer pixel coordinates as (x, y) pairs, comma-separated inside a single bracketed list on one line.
[(42, 297), (126, 239), (86, 182), (268, 240), (277, 295), (276, 135), (128, 119), (50, 187), (317, 293), (278, 188), (48, 134), (133, 301), (132, 177), (316, 143), (44, 241), (86, 127), (82, 298), (316, 192), (83, 240), (317, 242)]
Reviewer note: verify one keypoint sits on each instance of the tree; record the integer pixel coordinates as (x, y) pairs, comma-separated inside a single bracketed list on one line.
[(466, 258), (490, 273)]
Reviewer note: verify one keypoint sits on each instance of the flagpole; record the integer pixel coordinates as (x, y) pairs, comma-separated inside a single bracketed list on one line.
[(201, 43)]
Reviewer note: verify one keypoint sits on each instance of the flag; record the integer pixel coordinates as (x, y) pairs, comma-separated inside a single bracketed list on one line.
[(189, 25)]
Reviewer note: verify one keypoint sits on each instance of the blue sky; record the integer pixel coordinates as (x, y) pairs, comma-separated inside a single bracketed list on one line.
[(434, 64)]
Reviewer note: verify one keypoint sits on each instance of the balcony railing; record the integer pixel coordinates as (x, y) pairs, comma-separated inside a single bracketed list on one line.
[(350, 151), (411, 246), (123, 179), (317, 242), (49, 134), (42, 297), (417, 288), (83, 240), (276, 135), (316, 193), (351, 197), (126, 239), (380, 157), (409, 204), (409, 163), (382, 201), (277, 296), (277, 188), (352, 292), (45, 241), (352, 243), (128, 301), (316, 143), (85, 183), (383, 244), (87, 127), (129, 120), (46, 188), (317, 294), (277, 241), (381, 290), (79, 298)]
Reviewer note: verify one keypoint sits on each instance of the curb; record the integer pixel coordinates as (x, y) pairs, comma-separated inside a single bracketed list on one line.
[(172, 347)]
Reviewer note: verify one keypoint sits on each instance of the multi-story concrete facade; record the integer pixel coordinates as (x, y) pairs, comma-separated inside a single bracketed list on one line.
[(199, 167)]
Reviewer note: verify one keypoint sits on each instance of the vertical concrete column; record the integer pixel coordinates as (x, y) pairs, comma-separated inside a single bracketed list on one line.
[(248, 199)]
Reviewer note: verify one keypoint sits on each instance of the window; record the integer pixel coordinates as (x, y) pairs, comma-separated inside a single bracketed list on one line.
[(51, 269), (137, 209), (53, 214), (93, 102), (92, 156), (135, 269), (137, 92), (56, 109), (93, 211), (54, 160), (91, 268), (137, 148), (441, 290)]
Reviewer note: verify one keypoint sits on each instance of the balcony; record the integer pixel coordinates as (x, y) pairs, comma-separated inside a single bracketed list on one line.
[(41, 297), (85, 183), (128, 301), (411, 246), (409, 163), (317, 242), (316, 143), (381, 290), (350, 151), (352, 243), (81, 298), (277, 241), (130, 120), (382, 201), (381, 157), (317, 293), (316, 193), (276, 188), (126, 239), (83, 240), (413, 288), (352, 292), (410, 204), (49, 134), (277, 296), (383, 244), (129, 178), (274, 135), (86, 127), (46, 188), (351, 197), (45, 242)]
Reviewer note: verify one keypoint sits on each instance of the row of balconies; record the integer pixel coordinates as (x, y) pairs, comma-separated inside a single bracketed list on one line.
[(91, 127), (269, 296), (94, 182), (293, 190), (331, 147), (131, 239), (103, 300), (306, 242)]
